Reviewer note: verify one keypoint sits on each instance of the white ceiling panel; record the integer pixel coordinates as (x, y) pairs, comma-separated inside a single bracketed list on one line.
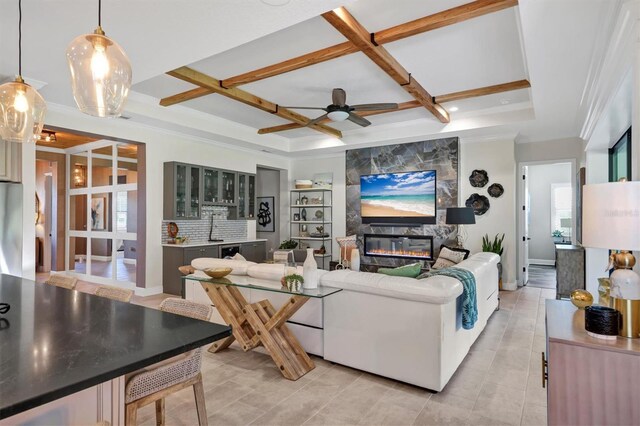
[(480, 52), (490, 101), (300, 39)]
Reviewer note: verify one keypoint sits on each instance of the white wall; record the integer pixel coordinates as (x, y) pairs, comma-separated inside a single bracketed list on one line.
[(557, 149), (498, 159), (305, 168), (541, 179), (161, 147)]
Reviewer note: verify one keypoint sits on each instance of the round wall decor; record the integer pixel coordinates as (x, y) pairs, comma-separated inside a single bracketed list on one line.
[(479, 178), (495, 190), (479, 203)]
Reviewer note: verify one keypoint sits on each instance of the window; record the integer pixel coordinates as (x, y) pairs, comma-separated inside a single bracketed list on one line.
[(561, 208), (620, 158), (121, 212)]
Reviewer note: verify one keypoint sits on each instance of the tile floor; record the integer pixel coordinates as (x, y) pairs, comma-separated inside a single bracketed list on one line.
[(498, 383), (542, 276)]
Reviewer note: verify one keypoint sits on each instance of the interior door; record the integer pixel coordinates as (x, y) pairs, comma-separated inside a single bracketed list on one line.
[(526, 212)]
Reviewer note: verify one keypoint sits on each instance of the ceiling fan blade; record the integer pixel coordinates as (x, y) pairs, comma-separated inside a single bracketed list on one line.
[(299, 107), (358, 120), (373, 107), (339, 97), (316, 120)]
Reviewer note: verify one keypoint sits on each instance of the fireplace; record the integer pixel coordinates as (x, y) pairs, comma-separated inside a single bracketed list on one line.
[(399, 246)]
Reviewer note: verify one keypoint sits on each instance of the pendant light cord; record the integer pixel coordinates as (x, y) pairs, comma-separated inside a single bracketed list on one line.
[(20, 37), (100, 13)]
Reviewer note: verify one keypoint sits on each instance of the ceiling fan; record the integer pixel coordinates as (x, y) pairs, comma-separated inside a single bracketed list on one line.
[(340, 111)]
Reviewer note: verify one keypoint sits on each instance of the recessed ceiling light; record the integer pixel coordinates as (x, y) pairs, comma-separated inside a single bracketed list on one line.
[(505, 101), (453, 109)]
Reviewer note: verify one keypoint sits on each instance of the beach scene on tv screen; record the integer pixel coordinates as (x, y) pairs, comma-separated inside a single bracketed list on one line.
[(410, 194)]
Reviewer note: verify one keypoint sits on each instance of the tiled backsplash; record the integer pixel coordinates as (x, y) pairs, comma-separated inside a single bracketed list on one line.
[(198, 230)]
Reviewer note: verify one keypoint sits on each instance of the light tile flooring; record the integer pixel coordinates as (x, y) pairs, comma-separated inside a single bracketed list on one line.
[(542, 276), (498, 383)]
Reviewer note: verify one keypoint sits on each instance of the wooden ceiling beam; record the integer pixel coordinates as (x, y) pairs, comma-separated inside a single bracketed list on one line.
[(349, 27), (428, 23), (483, 91), (199, 79), (449, 97), (292, 126)]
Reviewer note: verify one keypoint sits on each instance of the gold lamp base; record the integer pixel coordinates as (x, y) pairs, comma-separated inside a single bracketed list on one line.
[(630, 313)]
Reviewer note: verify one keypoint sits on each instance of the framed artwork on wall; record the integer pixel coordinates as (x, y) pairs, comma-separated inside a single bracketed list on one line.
[(98, 210), (266, 218)]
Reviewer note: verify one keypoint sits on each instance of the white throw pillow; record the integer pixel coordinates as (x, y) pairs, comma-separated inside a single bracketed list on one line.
[(238, 267), (238, 256), (448, 257)]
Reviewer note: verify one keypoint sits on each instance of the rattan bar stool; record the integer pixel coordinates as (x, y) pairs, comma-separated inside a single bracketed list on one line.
[(115, 293), (154, 383), (61, 280)]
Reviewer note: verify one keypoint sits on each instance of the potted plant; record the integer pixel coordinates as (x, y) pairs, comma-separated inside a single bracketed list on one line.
[(288, 245), (495, 246), (557, 236), (293, 282)]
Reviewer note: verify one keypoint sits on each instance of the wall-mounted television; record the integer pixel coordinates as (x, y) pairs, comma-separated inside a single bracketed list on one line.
[(407, 197)]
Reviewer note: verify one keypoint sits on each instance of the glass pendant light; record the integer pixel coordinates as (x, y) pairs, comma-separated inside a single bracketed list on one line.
[(100, 73), (22, 108)]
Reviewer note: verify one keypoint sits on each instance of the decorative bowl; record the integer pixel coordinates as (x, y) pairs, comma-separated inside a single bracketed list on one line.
[(581, 298), (217, 272)]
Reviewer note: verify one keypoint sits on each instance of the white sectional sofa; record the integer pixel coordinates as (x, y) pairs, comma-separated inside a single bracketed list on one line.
[(402, 328)]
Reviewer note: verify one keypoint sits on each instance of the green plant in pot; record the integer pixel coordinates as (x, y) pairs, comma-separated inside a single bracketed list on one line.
[(288, 245), (557, 236), (494, 246), (293, 282)]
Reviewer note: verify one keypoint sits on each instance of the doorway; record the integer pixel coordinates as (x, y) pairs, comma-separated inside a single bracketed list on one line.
[(546, 204)]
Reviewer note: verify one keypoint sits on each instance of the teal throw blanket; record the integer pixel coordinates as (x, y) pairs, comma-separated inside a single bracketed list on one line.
[(469, 302)]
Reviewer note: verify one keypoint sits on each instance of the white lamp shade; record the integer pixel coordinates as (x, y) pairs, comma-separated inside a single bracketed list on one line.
[(100, 75), (611, 216), (22, 111), (338, 115)]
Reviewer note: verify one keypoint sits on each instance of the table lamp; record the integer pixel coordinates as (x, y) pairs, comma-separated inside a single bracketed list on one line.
[(461, 216), (611, 220)]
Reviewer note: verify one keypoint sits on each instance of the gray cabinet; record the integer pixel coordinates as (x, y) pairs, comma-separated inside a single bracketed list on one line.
[(254, 251), (182, 191), (570, 273), (246, 196), (175, 256)]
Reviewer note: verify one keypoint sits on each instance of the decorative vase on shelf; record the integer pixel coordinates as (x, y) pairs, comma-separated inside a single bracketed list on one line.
[(355, 259), (310, 271)]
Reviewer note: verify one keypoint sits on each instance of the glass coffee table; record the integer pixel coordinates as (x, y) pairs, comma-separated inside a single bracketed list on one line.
[(259, 323)]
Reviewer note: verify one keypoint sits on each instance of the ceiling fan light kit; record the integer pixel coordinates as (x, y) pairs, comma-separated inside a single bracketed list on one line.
[(338, 115), (100, 73), (22, 108)]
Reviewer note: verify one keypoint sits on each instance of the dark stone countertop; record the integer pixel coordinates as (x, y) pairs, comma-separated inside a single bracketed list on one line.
[(55, 342)]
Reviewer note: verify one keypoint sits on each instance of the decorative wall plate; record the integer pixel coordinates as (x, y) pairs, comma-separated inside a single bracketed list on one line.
[(479, 203), (172, 229), (495, 190), (319, 214), (479, 178)]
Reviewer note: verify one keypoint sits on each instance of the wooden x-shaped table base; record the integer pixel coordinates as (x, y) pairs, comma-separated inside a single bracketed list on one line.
[(255, 324)]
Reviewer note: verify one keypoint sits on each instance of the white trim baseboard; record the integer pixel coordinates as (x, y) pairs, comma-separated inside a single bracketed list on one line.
[(129, 261), (542, 262), (101, 258)]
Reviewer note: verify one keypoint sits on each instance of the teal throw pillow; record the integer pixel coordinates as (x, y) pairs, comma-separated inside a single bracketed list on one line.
[(411, 271)]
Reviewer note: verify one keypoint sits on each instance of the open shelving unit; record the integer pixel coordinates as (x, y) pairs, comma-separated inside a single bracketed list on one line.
[(301, 230)]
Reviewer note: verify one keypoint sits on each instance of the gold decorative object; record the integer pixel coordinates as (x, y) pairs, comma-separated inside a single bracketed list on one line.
[(630, 312), (581, 298), (603, 290), (217, 272)]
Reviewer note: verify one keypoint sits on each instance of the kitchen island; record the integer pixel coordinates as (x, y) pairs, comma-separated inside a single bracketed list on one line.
[(64, 354)]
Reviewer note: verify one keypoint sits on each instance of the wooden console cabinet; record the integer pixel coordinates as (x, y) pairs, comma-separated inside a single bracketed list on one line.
[(589, 381)]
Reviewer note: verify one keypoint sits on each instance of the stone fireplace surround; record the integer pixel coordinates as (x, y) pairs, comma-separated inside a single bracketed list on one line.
[(438, 154)]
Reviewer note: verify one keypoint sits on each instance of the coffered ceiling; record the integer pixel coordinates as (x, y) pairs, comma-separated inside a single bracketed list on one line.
[(547, 42)]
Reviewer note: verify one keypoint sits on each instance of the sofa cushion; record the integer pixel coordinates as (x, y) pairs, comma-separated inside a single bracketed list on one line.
[(437, 290), (270, 271), (411, 271), (238, 267), (450, 256)]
